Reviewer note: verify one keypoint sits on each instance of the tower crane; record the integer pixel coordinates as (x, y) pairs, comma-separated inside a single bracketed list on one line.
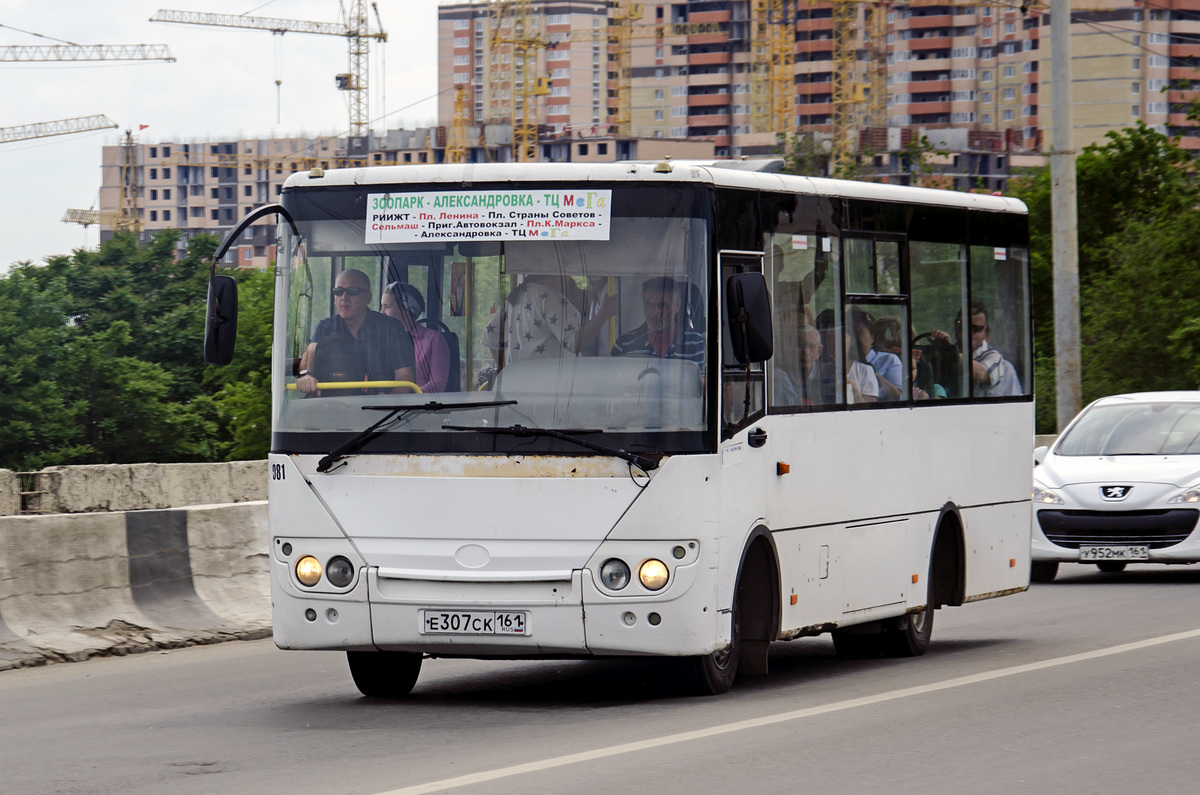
[(24, 132), (516, 44), (128, 215), (623, 29), (357, 31), (89, 52)]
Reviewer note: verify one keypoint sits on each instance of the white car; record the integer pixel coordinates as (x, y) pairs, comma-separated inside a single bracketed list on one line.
[(1120, 484)]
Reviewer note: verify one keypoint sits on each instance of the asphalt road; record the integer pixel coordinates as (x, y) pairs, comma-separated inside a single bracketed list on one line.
[(1087, 684)]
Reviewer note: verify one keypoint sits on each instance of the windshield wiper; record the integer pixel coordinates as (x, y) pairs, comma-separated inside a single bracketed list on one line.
[(642, 462), (359, 440)]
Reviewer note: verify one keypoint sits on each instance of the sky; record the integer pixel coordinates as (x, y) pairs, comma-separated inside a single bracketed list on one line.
[(221, 87)]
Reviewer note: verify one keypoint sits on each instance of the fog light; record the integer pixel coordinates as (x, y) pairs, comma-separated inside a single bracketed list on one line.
[(653, 574), (340, 571), (614, 574), (308, 570), (310, 614), (678, 553), (655, 619)]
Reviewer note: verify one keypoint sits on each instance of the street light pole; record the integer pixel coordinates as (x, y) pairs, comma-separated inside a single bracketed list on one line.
[(1063, 219)]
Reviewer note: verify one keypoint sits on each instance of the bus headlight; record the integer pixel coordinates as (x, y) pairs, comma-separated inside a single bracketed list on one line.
[(308, 570), (653, 574), (614, 574), (340, 571)]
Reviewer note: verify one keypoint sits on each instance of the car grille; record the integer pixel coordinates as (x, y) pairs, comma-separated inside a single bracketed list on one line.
[(1156, 529)]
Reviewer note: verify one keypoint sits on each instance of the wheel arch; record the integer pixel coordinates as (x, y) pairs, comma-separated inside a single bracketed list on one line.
[(758, 595), (948, 559)]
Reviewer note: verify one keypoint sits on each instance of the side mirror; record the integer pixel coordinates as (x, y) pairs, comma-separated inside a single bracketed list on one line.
[(1039, 454), (748, 308), (220, 327)]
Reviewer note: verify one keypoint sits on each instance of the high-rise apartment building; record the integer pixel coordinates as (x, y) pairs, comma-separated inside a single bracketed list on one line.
[(688, 69)]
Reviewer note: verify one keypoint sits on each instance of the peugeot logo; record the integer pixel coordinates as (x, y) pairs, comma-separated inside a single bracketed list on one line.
[(1115, 493)]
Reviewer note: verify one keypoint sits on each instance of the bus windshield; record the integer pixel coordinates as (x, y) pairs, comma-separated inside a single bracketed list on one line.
[(596, 330)]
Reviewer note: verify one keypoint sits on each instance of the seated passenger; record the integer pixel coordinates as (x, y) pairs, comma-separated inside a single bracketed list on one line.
[(377, 344), (663, 334), (862, 384), (886, 365), (545, 317), (991, 374), (403, 302), (814, 384)]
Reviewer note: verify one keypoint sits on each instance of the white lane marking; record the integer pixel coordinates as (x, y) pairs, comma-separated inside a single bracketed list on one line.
[(768, 720)]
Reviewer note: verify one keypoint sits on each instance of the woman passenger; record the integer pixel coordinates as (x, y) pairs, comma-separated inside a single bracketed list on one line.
[(403, 302)]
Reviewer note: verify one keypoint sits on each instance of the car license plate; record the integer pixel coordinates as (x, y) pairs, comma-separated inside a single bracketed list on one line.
[(1114, 553), (474, 622)]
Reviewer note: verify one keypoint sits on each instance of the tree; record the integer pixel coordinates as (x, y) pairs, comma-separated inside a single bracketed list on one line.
[(103, 362), (1137, 200)]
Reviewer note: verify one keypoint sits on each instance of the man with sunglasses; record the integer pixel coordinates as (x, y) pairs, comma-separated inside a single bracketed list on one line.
[(384, 348), (991, 374)]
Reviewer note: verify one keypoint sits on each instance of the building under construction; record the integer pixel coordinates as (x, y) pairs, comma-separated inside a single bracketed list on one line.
[(860, 78)]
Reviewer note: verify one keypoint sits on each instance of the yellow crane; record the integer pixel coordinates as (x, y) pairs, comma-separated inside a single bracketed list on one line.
[(356, 30), (128, 215), (622, 31), (515, 45), (456, 141)]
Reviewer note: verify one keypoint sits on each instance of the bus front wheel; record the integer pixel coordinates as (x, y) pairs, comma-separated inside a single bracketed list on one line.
[(384, 674), (712, 674)]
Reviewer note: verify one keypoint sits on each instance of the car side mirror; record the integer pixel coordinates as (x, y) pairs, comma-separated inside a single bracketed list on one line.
[(1039, 454), (748, 308), (220, 327)]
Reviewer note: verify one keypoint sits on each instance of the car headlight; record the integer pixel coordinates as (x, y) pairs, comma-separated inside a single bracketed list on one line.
[(1191, 495), (1043, 495)]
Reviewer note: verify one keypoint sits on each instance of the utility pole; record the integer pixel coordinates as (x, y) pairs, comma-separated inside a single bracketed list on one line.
[(1063, 218)]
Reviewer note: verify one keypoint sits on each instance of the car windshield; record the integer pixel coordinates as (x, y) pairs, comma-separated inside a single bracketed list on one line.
[(1160, 428), (602, 330)]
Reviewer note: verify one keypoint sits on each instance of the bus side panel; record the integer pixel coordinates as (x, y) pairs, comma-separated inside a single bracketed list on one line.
[(997, 547)]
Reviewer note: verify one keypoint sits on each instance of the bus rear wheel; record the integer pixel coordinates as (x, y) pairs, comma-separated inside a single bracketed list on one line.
[(910, 635), (384, 674)]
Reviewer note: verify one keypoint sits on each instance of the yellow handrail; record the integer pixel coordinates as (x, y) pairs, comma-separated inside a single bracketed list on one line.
[(364, 385)]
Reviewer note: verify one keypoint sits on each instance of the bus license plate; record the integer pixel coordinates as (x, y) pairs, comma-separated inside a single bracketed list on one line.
[(1141, 552), (474, 622)]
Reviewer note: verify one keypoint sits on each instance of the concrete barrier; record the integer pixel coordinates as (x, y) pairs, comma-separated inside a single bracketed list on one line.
[(10, 493), (79, 585)]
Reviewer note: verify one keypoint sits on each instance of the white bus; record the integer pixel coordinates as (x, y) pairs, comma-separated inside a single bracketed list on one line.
[(675, 409)]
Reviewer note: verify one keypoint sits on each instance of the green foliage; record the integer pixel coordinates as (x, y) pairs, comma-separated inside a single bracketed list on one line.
[(103, 358), (1137, 202), (803, 154)]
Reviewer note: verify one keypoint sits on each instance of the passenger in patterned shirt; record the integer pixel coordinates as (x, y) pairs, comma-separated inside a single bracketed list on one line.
[(543, 318), (662, 335)]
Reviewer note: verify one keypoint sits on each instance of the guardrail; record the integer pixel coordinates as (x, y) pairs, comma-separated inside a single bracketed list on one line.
[(73, 586)]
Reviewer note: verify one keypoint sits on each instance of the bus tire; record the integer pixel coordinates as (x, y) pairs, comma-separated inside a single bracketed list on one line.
[(384, 674), (1111, 566), (862, 644), (1043, 570), (713, 674), (910, 634)]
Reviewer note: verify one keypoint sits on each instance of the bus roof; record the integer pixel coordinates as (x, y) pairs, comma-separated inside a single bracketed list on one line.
[(733, 174)]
